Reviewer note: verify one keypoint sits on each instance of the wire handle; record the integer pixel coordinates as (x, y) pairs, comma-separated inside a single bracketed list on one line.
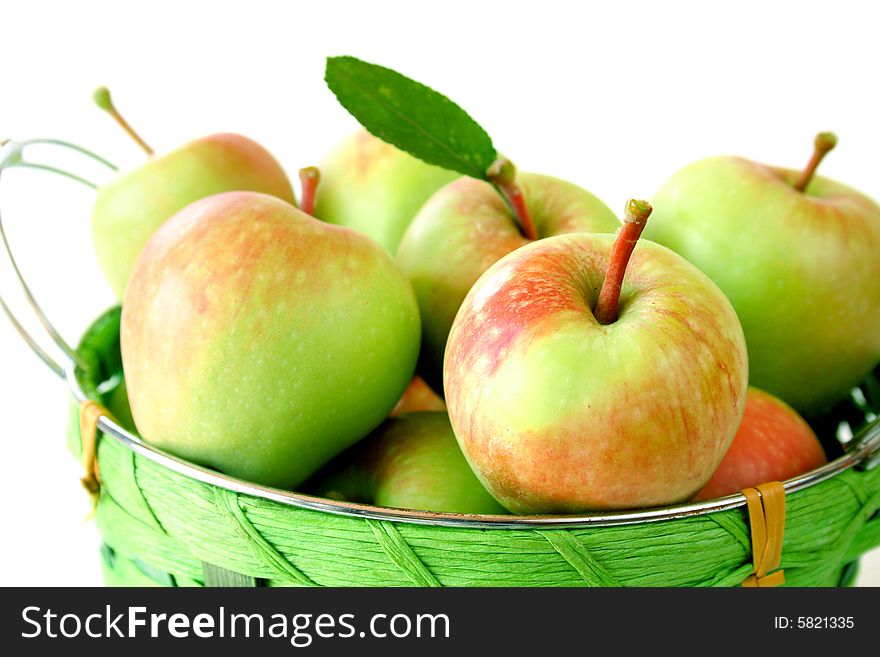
[(12, 155)]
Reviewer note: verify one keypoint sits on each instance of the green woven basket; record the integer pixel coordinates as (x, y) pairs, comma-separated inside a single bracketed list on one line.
[(167, 522), (161, 524)]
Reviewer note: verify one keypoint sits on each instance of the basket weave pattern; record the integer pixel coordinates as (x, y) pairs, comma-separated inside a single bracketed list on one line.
[(161, 527), (172, 524)]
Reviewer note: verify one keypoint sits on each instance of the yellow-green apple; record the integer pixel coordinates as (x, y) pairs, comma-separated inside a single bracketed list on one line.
[(465, 227), (410, 462), (262, 342), (773, 443), (797, 255), (418, 396), (375, 188), (581, 375), (119, 407), (130, 207)]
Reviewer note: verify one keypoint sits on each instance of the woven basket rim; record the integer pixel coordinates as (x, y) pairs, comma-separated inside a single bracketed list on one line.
[(862, 452)]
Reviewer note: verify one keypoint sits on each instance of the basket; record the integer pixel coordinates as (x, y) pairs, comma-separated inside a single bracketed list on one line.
[(168, 522)]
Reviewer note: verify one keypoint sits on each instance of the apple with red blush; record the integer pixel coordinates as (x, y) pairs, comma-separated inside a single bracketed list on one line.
[(584, 372), (773, 443)]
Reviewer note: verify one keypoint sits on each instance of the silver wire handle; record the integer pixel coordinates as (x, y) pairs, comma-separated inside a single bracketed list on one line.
[(862, 452), (12, 155)]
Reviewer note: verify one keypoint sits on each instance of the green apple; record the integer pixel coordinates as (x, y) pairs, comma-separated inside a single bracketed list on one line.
[(375, 188), (800, 267), (119, 407), (464, 228), (130, 208), (262, 342), (410, 462), (773, 443), (571, 389)]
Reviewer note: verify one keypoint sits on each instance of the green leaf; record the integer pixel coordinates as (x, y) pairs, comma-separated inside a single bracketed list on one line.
[(100, 351), (411, 116)]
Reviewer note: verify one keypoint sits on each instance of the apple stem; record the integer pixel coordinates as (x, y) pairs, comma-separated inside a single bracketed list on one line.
[(502, 175), (635, 218), (824, 142), (309, 177), (102, 99)]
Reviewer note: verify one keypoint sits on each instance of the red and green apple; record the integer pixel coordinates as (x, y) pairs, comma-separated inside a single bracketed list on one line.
[(466, 227), (584, 373), (773, 443), (410, 462), (262, 342), (797, 255), (130, 207)]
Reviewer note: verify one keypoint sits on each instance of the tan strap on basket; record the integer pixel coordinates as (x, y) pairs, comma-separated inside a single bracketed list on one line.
[(89, 412), (766, 505)]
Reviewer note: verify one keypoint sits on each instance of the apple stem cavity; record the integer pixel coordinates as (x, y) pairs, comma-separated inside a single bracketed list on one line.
[(824, 143), (502, 175), (635, 217), (102, 99), (309, 178)]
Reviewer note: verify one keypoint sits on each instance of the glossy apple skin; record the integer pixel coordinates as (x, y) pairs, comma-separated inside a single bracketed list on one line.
[(130, 208), (464, 228), (801, 270), (418, 396), (373, 187), (262, 342), (773, 443), (410, 462), (557, 413)]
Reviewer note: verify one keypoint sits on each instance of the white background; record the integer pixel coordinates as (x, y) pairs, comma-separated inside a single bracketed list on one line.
[(613, 96)]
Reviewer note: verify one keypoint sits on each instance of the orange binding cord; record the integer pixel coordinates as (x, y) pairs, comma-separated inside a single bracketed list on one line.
[(89, 412), (766, 505)]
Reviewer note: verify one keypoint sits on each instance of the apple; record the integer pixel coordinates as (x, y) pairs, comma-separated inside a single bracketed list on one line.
[(375, 188), (465, 227), (579, 380), (130, 207), (418, 396), (262, 342), (119, 407), (797, 255), (773, 443), (410, 462)]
